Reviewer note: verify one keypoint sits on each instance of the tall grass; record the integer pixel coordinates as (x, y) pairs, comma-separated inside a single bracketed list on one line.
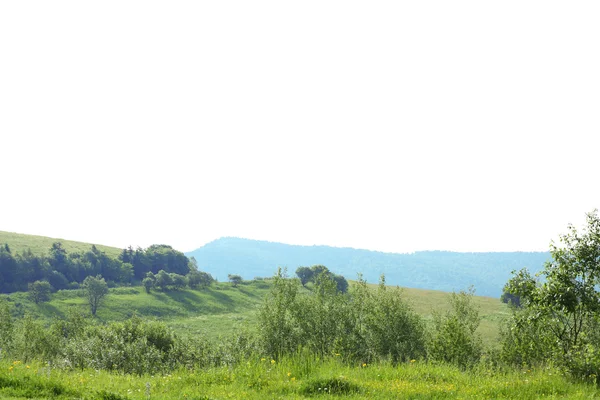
[(295, 377)]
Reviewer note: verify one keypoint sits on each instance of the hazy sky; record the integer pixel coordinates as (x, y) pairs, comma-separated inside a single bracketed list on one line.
[(386, 125)]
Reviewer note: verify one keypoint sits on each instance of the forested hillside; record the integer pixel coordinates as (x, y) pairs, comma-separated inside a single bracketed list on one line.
[(438, 270), (63, 269)]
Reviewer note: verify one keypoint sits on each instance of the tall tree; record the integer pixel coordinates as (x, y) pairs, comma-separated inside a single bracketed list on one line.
[(95, 289), (305, 274), (39, 291), (567, 303)]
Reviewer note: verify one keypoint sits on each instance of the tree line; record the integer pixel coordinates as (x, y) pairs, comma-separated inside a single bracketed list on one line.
[(67, 270)]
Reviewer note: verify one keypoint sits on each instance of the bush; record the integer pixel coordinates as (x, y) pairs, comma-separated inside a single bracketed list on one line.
[(454, 339)]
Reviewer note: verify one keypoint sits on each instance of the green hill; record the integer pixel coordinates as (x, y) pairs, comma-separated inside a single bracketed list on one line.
[(40, 245), (219, 309)]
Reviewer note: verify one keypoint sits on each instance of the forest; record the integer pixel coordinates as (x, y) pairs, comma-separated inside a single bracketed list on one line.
[(67, 270)]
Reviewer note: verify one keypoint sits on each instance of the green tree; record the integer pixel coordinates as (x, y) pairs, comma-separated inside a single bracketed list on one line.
[(568, 301), (305, 274), (39, 291), (199, 279), (341, 283), (234, 279), (148, 284), (179, 281), (163, 280), (95, 289)]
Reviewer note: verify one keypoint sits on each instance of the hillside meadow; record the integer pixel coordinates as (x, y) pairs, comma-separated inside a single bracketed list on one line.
[(221, 308), (40, 245)]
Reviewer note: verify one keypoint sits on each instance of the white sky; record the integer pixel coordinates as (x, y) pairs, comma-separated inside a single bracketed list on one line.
[(386, 125)]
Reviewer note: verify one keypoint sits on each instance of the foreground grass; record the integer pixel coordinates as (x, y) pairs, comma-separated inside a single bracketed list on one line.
[(295, 378)]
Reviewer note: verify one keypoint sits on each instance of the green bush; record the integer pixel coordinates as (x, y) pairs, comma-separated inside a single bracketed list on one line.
[(454, 339)]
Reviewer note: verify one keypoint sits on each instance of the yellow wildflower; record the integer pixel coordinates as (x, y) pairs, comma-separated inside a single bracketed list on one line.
[(272, 361), (289, 374)]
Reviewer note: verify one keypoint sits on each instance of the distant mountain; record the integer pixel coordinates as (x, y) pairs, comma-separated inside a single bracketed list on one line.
[(438, 270)]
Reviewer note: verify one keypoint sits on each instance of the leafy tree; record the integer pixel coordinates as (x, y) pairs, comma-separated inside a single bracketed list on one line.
[(317, 270), (341, 283), (58, 280), (34, 268), (178, 281), (568, 301), (148, 284), (305, 274), (234, 279), (8, 270), (39, 291), (59, 261), (125, 273), (95, 289), (199, 279), (163, 280)]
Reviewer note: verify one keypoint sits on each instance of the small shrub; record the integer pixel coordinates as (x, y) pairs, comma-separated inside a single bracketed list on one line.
[(336, 385), (105, 395)]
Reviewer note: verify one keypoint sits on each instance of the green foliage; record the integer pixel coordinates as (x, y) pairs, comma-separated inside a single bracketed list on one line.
[(94, 288), (305, 275), (179, 281), (561, 313), (362, 325), (163, 280), (39, 291), (199, 279), (148, 284), (392, 329), (234, 279), (329, 386), (277, 317), (6, 326), (454, 338)]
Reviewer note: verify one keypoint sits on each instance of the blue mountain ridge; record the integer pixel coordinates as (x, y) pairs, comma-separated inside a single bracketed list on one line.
[(436, 270)]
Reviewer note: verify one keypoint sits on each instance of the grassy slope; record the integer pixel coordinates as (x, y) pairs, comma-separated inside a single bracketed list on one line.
[(218, 309), (40, 245), (221, 308)]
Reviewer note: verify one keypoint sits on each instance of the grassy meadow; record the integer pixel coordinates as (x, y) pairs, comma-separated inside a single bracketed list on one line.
[(221, 308), (39, 245), (297, 377)]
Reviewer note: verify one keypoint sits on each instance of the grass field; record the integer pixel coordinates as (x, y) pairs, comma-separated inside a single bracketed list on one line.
[(40, 245), (221, 308), (294, 378)]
